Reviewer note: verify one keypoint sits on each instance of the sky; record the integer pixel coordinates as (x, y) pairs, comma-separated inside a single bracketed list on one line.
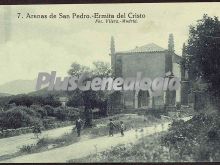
[(30, 46)]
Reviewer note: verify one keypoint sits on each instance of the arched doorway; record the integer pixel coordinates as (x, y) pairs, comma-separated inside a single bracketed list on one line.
[(143, 99)]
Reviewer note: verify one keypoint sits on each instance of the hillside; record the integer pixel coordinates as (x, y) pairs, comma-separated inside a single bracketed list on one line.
[(4, 94), (44, 92), (18, 87)]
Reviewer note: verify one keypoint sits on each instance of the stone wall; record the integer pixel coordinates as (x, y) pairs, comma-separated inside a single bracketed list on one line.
[(25, 130)]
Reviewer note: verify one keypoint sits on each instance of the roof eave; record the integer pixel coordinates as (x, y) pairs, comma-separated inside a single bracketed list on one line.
[(140, 52)]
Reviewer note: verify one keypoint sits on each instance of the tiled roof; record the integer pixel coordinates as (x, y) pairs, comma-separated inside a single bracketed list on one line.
[(146, 48)]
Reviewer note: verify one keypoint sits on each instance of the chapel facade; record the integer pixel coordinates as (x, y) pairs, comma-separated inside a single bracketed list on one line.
[(152, 61)]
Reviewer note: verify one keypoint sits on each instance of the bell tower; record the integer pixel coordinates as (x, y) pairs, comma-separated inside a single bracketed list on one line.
[(112, 54), (170, 96), (171, 43), (184, 79), (169, 55)]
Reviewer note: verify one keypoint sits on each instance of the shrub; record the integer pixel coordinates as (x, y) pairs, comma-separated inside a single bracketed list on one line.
[(28, 148), (17, 117), (29, 111), (67, 138), (66, 113), (43, 142), (41, 111), (49, 109), (197, 138), (60, 114), (47, 123)]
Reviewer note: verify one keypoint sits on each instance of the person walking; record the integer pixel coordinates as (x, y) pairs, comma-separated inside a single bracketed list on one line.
[(78, 126), (122, 128), (111, 127), (37, 130)]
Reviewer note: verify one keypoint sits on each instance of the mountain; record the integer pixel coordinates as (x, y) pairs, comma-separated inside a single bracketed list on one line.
[(4, 94), (18, 87), (45, 92)]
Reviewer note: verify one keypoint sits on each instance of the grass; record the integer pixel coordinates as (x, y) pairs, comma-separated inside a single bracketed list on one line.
[(148, 149), (131, 121)]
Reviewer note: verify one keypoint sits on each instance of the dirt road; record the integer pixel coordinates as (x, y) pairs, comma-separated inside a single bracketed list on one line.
[(12, 144), (86, 147)]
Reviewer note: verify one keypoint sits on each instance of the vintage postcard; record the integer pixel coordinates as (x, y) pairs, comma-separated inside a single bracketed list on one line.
[(91, 83)]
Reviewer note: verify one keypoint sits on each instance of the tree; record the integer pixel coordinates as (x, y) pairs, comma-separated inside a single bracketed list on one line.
[(51, 100), (101, 69), (77, 69), (203, 49), (75, 98), (90, 99), (22, 100)]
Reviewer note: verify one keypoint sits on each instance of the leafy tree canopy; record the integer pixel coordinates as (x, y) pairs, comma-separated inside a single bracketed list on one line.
[(203, 49)]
